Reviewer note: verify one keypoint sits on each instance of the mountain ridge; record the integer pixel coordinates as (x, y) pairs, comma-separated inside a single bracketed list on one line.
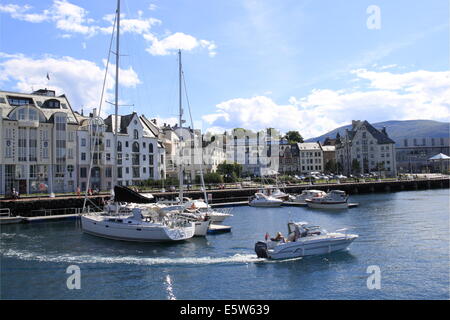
[(399, 129)]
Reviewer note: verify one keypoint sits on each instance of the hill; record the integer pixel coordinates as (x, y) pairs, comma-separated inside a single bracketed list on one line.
[(398, 130)]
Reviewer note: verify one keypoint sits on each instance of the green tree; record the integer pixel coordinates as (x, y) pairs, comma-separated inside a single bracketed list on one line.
[(293, 137), (356, 167), (330, 166)]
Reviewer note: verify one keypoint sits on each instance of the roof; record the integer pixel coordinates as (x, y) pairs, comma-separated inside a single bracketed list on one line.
[(38, 100), (308, 146), (440, 156)]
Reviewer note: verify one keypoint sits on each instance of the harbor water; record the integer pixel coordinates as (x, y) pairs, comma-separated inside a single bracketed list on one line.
[(404, 234)]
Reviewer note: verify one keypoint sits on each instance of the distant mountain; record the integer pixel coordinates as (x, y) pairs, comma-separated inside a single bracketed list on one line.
[(399, 130)]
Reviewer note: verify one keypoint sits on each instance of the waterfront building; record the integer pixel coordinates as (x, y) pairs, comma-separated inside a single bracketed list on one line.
[(364, 149), (310, 157), (413, 154), (257, 152), (140, 153), (289, 157), (329, 157), (38, 143)]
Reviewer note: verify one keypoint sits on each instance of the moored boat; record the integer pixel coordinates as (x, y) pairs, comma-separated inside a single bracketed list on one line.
[(335, 199), (306, 195), (262, 200)]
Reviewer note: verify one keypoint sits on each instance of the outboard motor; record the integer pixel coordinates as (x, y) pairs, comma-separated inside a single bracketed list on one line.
[(261, 249)]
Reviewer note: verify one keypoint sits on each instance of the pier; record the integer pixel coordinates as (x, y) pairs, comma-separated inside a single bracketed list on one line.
[(41, 206)]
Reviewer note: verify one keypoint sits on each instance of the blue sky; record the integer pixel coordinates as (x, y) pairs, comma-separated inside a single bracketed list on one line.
[(294, 65)]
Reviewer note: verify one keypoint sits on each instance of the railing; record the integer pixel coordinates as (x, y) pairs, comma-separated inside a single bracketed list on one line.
[(51, 212), (5, 212)]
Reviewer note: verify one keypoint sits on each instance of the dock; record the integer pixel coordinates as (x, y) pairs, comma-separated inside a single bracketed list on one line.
[(51, 218), (218, 228)]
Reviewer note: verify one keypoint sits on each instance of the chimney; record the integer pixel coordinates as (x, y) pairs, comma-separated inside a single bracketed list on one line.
[(384, 131)]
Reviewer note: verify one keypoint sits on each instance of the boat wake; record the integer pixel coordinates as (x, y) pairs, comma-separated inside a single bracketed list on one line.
[(136, 260)]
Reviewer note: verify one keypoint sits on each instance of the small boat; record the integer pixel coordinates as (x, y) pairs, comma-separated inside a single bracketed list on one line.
[(137, 228), (262, 200), (277, 194), (306, 195), (303, 240), (335, 199)]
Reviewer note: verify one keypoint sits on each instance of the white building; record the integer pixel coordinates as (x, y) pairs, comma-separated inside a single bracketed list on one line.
[(257, 152), (310, 157), (366, 147), (38, 143), (140, 153)]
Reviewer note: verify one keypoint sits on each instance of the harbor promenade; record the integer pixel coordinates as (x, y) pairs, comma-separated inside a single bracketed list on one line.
[(61, 205)]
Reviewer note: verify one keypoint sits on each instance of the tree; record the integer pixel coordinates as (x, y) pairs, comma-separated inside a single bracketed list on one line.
[(230, 171), (356, 167), (293, 137), (330, 166)]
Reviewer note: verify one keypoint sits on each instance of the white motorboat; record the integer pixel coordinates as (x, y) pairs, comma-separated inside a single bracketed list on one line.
[(303, 240), (262, 200), (135, 227), (335, 199), (276, 193), (307, 195)]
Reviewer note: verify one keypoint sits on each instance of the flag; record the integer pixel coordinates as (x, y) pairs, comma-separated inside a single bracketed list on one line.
[(48, 77)]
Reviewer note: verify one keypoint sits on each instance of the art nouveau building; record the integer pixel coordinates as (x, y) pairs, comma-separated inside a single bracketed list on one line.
[(372, 150), (38, 143)]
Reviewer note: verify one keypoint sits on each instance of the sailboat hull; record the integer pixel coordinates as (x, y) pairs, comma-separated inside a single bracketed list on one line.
[(139, 233)]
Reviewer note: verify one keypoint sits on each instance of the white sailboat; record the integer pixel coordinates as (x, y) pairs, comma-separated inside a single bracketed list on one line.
[(128, 223)]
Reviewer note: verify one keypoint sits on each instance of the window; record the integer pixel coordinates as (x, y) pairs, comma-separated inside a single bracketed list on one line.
[(83, 156), (119, 172), (119, 146), (108, 172), (32, 156), (83, 142), (135, 134), (150, 147), (143, 145), (22, 144), (83, 172), (108, 143), (127, 170), (150, 159), (126, 144), (135, 147), (108, 157)]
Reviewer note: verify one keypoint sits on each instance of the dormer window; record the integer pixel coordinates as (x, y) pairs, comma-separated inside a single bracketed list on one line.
[(51, 104), (20, 101)]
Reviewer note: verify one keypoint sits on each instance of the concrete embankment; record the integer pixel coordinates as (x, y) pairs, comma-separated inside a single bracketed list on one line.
[(29, 207)]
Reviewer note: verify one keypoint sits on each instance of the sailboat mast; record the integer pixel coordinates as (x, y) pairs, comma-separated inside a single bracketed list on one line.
[(180, 167), (116, 120)]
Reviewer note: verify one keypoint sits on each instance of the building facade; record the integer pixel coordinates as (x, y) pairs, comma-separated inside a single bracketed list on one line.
[(364, 149), (38, 139), (412, 154), (310, 157)]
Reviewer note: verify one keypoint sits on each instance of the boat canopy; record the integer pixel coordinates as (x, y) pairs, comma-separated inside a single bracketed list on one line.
[(124, 194)]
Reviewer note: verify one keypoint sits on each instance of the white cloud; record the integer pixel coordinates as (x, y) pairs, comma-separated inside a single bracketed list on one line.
[(387, 96), (170, 44), (81, 80), (20, 13), (73, 19)]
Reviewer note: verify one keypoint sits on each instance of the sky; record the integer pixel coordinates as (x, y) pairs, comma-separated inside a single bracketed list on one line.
[(302, 65)]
